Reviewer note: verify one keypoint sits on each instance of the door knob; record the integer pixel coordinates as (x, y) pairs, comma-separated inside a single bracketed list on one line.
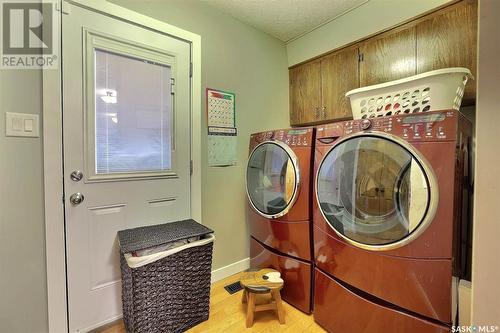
[(76, 198), (76, 175)]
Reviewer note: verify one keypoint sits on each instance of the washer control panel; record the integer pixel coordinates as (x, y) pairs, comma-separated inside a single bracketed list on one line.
[(429, 126), (293, 137)]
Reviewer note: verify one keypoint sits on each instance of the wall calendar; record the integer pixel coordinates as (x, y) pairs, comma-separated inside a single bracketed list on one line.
[(222, 133)]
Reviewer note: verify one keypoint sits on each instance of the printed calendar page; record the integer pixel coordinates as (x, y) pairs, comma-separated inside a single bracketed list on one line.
[(222, 133), (220, 108)]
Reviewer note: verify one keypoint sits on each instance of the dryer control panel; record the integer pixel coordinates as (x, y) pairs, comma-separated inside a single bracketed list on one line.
[(429, 126)]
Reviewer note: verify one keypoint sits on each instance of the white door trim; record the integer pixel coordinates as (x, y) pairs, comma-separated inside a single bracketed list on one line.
[(53, 157)]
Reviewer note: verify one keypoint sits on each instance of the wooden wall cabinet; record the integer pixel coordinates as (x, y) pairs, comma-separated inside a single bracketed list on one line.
[(444, 38), (390, 56), (317, 88), (305, 92), (339, 74), (449, 39)]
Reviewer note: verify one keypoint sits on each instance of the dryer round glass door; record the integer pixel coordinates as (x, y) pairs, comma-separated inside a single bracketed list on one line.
[(375, 191), (272, 179)]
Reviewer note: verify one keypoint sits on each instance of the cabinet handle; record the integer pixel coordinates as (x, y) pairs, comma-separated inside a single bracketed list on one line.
[(324, 111)]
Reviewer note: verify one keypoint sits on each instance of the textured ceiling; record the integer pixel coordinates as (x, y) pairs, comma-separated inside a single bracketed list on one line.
[(285, 19)]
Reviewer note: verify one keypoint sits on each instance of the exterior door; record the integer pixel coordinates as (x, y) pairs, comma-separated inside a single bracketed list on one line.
[(375, 191), (272, 179), (126, 117)]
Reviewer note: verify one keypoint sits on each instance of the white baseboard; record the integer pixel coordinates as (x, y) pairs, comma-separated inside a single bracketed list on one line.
[(231, 269), (98, 327)]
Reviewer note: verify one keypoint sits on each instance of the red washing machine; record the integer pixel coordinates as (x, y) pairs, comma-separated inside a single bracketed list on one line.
[(279, 196), (391, 201)]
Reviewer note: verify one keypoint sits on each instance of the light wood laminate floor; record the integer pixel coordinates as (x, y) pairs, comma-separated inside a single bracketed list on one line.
[(228, 314)]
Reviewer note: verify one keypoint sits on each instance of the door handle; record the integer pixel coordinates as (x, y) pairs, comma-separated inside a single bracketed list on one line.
[(76, 198)]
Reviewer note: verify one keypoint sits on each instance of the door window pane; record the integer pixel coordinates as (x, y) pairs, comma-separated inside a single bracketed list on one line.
[(271, 178), (133, 112), (372, 190)]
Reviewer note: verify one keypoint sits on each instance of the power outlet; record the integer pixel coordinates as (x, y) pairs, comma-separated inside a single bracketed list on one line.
[(22, 125)]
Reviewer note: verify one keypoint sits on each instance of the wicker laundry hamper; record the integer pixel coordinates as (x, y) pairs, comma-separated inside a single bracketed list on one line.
[(166, 291)]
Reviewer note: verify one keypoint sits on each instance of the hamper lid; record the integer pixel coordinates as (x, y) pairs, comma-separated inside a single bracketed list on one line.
[(145, 237)]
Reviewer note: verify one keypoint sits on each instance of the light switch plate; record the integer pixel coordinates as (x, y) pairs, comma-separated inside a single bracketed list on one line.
[(16, 125)]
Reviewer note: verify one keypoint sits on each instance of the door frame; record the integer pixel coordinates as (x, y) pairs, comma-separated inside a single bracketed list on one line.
[(57, 305)]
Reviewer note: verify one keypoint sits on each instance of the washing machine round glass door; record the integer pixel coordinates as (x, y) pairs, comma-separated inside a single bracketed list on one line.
[(272, 179), (376, 191)]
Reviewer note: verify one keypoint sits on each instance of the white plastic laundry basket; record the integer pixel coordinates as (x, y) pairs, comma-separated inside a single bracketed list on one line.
[(441, 89)]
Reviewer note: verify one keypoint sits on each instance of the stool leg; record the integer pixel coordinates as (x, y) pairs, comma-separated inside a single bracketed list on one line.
[(250, 309), (244, 296), (279, 306)]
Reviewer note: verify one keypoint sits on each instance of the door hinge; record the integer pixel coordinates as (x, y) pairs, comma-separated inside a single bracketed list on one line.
[(190, 69), (191, 167), (63, 7), (172, 86)]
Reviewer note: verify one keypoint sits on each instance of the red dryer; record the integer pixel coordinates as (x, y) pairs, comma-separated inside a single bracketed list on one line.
[(391, 200), (279, 214)]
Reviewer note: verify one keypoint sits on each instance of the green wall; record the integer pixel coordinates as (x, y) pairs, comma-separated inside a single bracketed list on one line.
[(486, 247), (250, 63), (23, 295)]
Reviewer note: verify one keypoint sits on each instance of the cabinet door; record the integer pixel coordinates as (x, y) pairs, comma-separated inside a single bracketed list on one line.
[(339, 74), (450, 40), (388, 57), (305, 93)]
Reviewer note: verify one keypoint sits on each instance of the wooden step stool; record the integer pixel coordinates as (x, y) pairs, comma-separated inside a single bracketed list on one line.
[(255, 282)]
